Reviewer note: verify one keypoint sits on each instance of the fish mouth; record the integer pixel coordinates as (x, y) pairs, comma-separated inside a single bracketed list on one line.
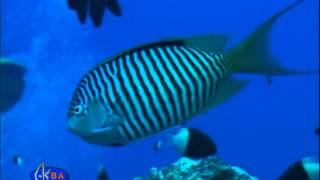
[(69, 127), (72, 129)]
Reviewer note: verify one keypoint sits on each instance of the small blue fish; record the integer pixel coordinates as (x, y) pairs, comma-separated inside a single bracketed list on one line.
[(17, 160)]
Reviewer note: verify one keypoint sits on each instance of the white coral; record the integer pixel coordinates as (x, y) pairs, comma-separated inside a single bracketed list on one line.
[(185, 164)]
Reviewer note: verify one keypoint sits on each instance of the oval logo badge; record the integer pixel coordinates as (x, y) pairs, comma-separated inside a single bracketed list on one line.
[(49, 173)]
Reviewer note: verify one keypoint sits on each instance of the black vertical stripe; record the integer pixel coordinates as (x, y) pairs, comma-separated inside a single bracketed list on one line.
[(101, 71), (197, 70), (154, 86), (163, 84), (183, 81), (134, 88), (117, 96), (126, 132), (203, 69), (224, 62), (146, 92), (182, 60), (219, 65), (207, 71), (95, 80), (170, 93), (130, 101), (104, 84), (176, 88), (81, 95), (90, 88), (213, 66), (216, 76), (99, 85), (112, 68), (86, 91)]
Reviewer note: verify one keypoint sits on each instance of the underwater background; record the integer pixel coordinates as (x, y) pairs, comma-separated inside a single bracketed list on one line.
[(263, 129)]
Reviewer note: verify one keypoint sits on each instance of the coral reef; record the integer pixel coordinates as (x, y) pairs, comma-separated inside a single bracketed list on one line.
[(211, 168)]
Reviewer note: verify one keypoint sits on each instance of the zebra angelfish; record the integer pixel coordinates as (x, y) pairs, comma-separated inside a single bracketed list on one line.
[(156, 86)]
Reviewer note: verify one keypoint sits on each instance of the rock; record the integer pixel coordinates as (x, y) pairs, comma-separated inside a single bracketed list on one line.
[(211, 168)]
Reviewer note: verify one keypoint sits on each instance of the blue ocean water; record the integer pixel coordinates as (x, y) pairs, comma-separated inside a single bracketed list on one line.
[(263, 129)]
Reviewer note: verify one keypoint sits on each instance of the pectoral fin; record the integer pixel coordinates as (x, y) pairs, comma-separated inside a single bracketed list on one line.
[(228, 88), (225, 90), (113, 120), (116, 118), (105, 136)]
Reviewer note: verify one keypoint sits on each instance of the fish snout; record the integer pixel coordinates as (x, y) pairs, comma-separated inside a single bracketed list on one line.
[(70, 127)]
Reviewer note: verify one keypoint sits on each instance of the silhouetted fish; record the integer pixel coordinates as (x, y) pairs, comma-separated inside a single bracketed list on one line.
[(17, 160), (102, 173), (11, 84), (269, 80), (190, 142), (95, 9), (306, 169)]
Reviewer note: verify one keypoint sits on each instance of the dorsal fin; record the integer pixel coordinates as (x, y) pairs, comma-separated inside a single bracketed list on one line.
[(210, 43), (215, 43), (177, 42)]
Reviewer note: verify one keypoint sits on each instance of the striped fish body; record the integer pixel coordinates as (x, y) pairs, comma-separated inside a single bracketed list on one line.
[(163, 84), (154, 87)]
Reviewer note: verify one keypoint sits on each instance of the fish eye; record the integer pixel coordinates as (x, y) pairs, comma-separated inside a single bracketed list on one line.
[(77, 109), (80, 110)]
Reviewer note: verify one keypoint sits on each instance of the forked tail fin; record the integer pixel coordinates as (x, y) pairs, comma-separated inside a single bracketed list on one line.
[(253, 55)]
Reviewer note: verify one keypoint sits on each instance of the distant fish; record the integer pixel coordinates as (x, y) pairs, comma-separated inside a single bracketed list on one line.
[(190, 142), (17, 160), (269, 80), (317, 131), (102, 173), (95, 9), (306, 169), (160, 85), (11, 84)]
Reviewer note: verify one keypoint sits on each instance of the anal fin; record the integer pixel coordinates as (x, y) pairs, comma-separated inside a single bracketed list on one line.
[(225, 90)]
